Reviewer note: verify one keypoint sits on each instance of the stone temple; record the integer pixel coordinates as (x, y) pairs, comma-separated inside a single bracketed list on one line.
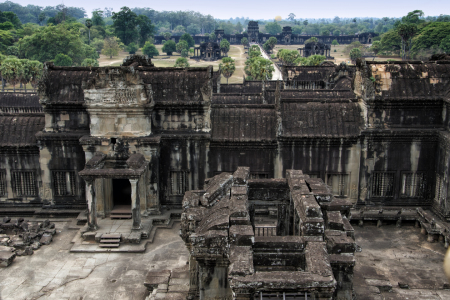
[(250, 164)]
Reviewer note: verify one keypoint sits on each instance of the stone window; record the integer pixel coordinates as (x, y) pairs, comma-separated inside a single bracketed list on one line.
[(259, 175), (338, 184), (3, 190), (414, 185), (64, 183), (179, 182), (382, 184), (439, 190), (24, 183)]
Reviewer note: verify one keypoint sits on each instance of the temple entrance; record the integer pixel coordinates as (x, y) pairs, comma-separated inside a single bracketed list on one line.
[(121, 192)]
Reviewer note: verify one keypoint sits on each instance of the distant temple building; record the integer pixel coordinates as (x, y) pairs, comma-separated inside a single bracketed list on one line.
[(208, 51), (286, 37), (315, 48)]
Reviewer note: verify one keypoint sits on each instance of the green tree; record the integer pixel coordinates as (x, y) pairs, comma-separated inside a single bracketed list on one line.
[(132, 48), (305, 22), (6, 40), (355, 53), (224, 46), (259, 68), (376, 47), (244, 42), (212, 37), (227, 67), (88, 24), (273, 28), (181, 62), (325, 32), (125, 25), (49, 41), (169, 47), (97, 44), (62, 60), (272, 42), (89, 62), (291, 17), (150, 49), (337, 32), (167, 35), (10, 69), (35, 68), (430, 36), (313, 60), (184, 53), (182, 45), (111, 46), (12, 50), (391, 41), (97, 18), (254, 51), (179, 30), (288, 57), (193, 29), (335, 43), (189, 40), (445, 45), (311, 39), (406, 33), (145, 29)]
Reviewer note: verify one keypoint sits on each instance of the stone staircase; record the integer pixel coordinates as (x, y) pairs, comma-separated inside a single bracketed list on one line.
[(121, 212), (110, 240)]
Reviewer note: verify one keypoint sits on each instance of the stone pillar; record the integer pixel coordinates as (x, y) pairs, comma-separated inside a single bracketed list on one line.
[(135, 204), (91, 203)]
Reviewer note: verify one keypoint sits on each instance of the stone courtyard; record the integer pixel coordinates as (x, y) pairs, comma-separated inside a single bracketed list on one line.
[(389, 256), (53, 272)]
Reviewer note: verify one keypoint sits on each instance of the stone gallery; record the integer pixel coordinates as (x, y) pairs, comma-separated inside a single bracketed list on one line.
[(136, 140), (286, 37)]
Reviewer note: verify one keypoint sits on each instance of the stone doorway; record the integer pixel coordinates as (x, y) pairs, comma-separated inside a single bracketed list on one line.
[(121, 192)]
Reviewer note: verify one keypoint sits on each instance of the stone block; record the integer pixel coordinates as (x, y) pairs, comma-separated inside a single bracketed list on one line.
[(334, 220), (155, 278), (27, 251), (6, 248), (382, 285), (89, 236), (51, 231), (241, 175), (241, 261), (46, 239), (338, 242), (241, 235), (6, 258)]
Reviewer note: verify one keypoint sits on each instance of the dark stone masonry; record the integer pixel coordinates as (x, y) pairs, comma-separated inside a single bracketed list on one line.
[(371, 141)]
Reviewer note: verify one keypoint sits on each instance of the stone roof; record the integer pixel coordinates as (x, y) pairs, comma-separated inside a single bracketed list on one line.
[(411, 79), (243, 124), (321, 119), (19, 100), (20, 131)]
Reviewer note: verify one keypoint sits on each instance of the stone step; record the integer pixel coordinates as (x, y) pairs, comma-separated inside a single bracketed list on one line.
[(111, 236), (120, 216), (109, 245), (110, 241)]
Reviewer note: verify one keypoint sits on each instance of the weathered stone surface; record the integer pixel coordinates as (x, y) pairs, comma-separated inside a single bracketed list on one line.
[(334, 220), (6, 258), (46, 239), (338, 242)]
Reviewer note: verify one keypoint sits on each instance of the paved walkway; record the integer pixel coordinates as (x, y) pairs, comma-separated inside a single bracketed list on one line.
[(276, 75), (53, 272)]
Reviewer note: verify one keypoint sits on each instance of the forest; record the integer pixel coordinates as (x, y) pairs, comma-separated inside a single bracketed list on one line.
[(31, 35)]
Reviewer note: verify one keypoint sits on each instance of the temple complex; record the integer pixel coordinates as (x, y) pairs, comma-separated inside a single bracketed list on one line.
[(286, 37), (266, 175)]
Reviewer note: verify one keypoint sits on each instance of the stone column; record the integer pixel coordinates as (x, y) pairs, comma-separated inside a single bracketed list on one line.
[(135, 205), (91, 203)]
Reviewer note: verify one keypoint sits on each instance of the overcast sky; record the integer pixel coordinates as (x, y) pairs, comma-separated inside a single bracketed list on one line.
[(259, 9)]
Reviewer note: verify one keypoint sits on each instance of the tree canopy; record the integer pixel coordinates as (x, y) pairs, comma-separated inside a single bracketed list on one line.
[(273, 28), (150, 49), (181, 63), (227, 67), (169, 47)]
